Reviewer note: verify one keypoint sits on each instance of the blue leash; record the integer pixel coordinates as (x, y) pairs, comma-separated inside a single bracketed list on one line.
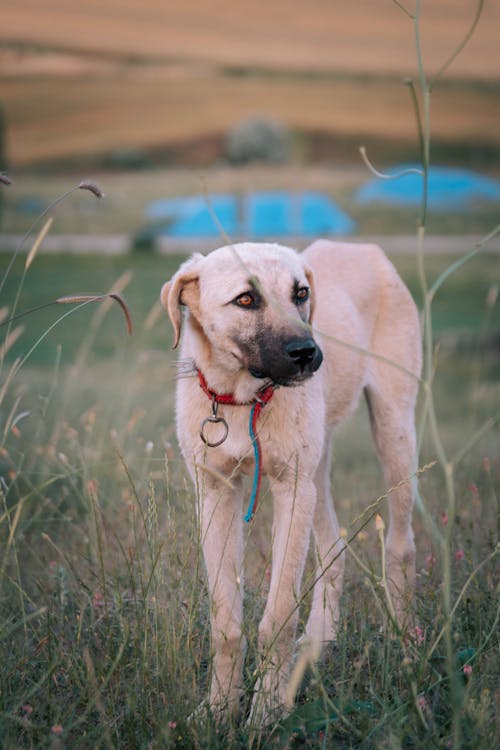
[(257, 475)]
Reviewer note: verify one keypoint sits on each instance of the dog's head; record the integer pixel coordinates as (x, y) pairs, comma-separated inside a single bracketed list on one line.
[(252, 305)]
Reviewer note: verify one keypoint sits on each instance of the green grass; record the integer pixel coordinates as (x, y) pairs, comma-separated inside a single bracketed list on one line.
[(104, 636), (460, 306)]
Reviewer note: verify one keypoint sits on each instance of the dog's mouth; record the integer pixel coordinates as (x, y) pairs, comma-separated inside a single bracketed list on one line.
[(286, 382), (259, 374)]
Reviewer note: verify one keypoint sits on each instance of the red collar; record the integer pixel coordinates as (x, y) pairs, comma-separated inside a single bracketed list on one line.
[(262, 397)]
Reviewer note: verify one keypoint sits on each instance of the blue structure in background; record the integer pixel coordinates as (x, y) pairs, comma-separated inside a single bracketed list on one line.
[(258, 215), (450, 189)]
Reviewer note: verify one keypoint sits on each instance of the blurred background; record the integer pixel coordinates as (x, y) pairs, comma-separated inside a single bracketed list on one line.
[(264, 107)]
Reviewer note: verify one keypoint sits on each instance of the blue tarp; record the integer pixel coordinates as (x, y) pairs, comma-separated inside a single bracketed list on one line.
[(258, 215), (449, 189)]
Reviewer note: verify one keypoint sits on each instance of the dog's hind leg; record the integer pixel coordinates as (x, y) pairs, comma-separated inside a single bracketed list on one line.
[(330, 559), (391, 393), (222, 541), (394, 434)]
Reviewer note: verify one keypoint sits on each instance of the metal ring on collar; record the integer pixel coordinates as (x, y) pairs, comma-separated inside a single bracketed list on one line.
[(214, 420)]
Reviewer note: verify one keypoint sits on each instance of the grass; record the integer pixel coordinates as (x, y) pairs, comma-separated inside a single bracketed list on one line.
[(459, 308), (103, 607)]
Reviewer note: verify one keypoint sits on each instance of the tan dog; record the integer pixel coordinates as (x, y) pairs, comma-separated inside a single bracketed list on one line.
[(261, 315)]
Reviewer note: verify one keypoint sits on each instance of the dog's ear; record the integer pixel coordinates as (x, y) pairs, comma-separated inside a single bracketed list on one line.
[(312, 298), (182, 289)]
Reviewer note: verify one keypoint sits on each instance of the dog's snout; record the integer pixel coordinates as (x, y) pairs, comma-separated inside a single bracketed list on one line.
[(303, 352), (285, 361)]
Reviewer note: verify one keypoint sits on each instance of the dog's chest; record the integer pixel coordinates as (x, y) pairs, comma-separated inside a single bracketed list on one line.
[(277, 441)]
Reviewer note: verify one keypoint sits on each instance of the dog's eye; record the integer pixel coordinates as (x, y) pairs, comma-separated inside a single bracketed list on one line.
[(301, 295), (245, 300)]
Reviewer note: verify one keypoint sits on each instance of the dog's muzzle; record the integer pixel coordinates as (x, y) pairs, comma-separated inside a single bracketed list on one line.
[(295, 361)]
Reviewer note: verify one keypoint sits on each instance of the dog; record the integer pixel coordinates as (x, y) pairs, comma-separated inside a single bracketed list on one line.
[(281, 345)]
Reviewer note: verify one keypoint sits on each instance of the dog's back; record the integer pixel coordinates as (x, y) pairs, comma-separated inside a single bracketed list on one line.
[(361, 271), (362, 304)]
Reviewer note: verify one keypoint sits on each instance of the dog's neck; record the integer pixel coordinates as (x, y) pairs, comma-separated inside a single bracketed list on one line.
[(242, 386), (221, 374), (263, 396)]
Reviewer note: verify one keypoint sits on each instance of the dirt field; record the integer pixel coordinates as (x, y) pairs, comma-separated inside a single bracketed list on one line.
[(107, 75), (140, 110), (335, 35)]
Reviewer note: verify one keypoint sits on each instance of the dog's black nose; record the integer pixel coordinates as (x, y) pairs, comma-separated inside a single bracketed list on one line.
[(302, 352)]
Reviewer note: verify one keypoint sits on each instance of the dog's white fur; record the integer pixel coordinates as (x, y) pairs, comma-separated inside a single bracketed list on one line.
[(360, 305)]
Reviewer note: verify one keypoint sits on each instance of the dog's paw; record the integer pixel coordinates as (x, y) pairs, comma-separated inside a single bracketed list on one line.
[(201, 714), (268, 703), (263, 713), (322, 625)]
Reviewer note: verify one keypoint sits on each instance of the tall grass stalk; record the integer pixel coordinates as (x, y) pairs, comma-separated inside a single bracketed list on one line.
[(429, 418), (84, 185)]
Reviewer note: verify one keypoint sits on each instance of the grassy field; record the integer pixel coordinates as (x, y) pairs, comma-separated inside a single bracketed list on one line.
[(104, 634), (460, 309)]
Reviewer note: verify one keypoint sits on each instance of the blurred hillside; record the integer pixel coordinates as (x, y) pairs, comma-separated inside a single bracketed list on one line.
[(146, 82)]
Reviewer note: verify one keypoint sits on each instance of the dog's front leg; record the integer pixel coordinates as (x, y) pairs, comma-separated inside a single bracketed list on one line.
[(294, 502), (222, 541)]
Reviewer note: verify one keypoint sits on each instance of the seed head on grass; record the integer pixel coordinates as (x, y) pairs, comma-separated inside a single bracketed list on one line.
[(40, 238), (83, 185), (92, 187), (80, 299)]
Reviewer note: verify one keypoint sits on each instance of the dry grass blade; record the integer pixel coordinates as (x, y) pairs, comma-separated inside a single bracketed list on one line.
[(75, 299), (215, 474), (40, 238), (121, 301), (10, 340), (153, 315), (10, 375)]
